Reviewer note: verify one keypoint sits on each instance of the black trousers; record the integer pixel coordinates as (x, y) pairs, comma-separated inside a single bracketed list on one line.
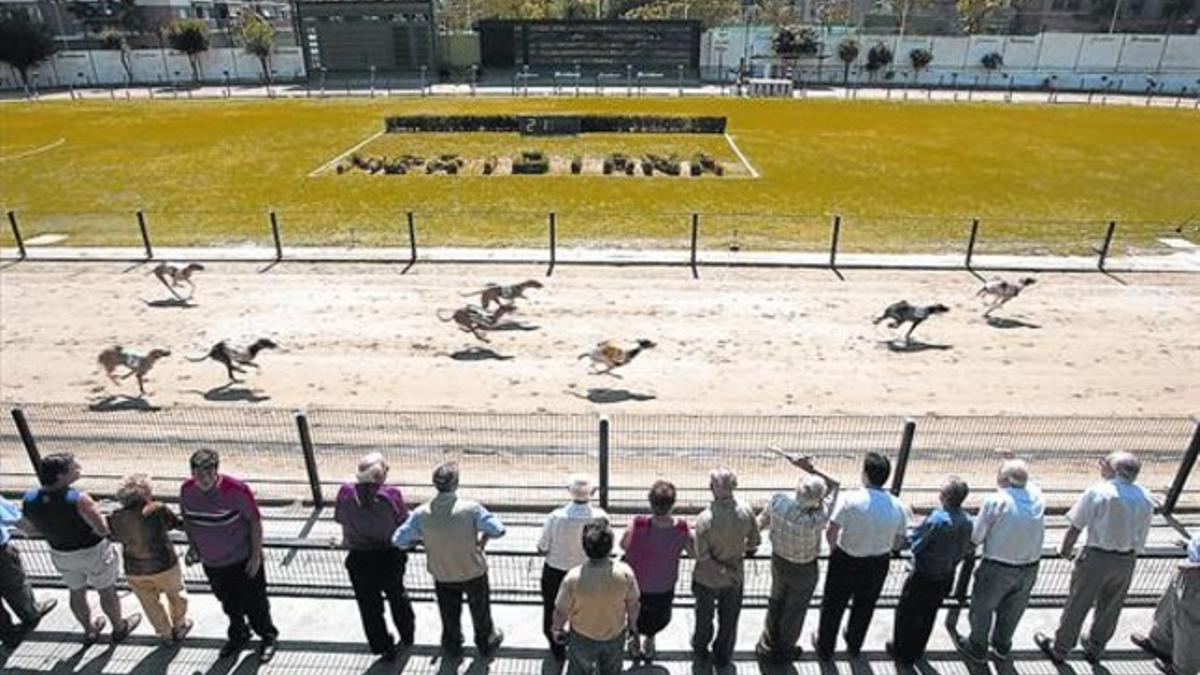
[(915, 615), (656, 612), (16, 592), (855, 582), (374, 576), (450, 598), (243, 598), (551, 579)]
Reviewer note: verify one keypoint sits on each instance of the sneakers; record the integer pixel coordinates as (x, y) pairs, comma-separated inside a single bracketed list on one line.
[(633, 646), (649, 651), (963, 647), (1045, 644)]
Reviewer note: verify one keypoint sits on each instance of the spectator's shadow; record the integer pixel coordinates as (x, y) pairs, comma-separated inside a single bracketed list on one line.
[(606, 395), (769, 667), (913, 346), (1006, 323), (478, 354), (122, 403)]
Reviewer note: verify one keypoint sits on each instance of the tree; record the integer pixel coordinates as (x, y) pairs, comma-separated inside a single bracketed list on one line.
[(906, 7), (117, 41), (920, 59), (847, 53), (792, 42), (877, 57), (257, 36), (189, 36), (708, 12), (24, 44), (973, 15)]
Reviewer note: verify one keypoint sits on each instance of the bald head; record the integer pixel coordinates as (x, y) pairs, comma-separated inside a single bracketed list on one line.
[(1121, 464)]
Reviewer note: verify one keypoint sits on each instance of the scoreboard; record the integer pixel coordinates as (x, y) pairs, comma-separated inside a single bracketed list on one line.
[(549, 125)]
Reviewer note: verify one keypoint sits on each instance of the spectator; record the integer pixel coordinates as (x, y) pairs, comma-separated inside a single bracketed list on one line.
[(1011, 527), (1175, 636), (369, 511), (938, 545), (562, 544), (222, 521), (455, 532), (1116, 514), (726, 532), (142, 526), (652, 546), (74, 527), (599, 599), (14, 585), (865, 527), (796, 522)]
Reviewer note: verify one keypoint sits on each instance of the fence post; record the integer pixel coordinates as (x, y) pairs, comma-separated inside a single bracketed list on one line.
[(141, 221), (553, 242), (35, 457), (412, 239), (971, 241), (906, 442), (695, 238), (275, 236), (1181, 476), (603, 468), (310, 459), (833, 243), (1108, 237), (16, 230)]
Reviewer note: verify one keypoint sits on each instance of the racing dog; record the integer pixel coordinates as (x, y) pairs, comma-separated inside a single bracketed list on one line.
[(499, 294), (471, 319), (233, 359), (997, 292), (901, 312), (610, 356), (137, 364), (176, 276)]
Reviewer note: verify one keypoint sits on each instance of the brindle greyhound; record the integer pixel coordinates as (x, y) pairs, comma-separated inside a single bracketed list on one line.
[(472, 320), (498, 294)]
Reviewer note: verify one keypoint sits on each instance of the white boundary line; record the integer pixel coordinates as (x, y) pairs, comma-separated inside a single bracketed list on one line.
[(339, 158), (736, 149), (27, 153)]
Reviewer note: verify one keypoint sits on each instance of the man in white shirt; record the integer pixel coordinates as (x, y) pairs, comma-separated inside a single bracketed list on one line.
[(866, 526), (1011, 527), (1116, 514), (1174, 639), (562, 544)]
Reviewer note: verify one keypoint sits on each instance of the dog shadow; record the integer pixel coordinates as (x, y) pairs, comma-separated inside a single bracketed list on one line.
[(122, 403), (1006, 323), (606, 395), (180, 303), (479, 354), (514, 325), (913, 346), (228, 393)]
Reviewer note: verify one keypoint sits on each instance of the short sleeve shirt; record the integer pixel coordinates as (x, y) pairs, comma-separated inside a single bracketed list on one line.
[(218, 521), (1116, 515), (594, 597), (871, 521)]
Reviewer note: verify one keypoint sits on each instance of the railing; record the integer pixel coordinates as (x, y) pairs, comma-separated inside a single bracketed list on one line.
[(520, 461), (306, 568), (682, 239)]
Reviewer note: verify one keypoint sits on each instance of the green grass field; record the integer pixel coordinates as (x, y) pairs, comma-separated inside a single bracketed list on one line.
[(905, 176)]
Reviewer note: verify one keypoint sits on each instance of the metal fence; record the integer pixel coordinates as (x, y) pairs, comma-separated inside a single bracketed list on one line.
[(683, 239), (520, 461)]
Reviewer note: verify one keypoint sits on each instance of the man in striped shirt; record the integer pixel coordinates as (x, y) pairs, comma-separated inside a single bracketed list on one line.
[(223, 523)]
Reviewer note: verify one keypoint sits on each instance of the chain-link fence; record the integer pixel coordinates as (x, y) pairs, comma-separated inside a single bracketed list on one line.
[(521, 461)]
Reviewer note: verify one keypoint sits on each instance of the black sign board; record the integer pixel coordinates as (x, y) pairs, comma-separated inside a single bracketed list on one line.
[(548, 125)]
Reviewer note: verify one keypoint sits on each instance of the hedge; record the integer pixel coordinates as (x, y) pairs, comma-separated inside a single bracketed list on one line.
[(588, 124)]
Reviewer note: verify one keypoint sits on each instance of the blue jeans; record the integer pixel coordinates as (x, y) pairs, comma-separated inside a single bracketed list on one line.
[(586, 656), (1002, 591)]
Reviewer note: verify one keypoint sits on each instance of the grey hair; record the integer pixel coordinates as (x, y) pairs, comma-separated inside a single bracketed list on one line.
[(810, 492), (1125, 465), (372, 468), (1015, 472), (723, 478)]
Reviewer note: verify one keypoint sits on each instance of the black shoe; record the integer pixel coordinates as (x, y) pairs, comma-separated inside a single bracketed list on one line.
[(493, 643), (852, 651), (1143, 643), (232, 647), (817, 650), (1045, 644), (266, 651), (389, 654)]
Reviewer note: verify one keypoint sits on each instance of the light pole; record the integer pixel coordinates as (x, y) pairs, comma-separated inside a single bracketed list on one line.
[(323, 70), (228, 92), (628, 80), (423, 69), (371, 69), (1112, 25), (474, 77), (679, 78)]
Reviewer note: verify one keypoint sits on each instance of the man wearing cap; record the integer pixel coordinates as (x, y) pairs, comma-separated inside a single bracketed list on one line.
[(1174, 638), (224, 526), (455, 532), (14, 585), (1116, 515), (562, 544), (369, 511)]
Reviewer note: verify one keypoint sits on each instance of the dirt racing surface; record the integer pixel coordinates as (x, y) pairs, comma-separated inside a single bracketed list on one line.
[(735, 341)]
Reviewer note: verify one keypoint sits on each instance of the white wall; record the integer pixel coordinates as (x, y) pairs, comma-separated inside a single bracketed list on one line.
[(156, 67), (1072, 60)]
